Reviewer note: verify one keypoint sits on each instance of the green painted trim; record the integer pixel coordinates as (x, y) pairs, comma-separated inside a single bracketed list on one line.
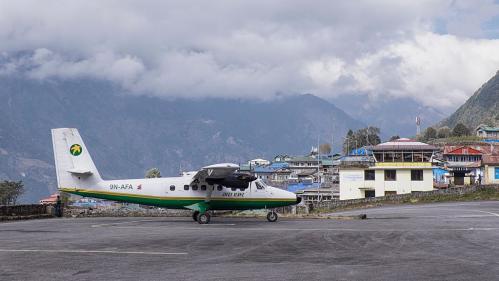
[(217, 203)]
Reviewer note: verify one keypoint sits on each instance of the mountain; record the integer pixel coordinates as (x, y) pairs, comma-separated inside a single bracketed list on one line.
[(481, 108), (395, 116), (128, 133)]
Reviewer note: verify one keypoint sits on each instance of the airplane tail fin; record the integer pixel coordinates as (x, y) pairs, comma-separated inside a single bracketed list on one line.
[(73, 164)]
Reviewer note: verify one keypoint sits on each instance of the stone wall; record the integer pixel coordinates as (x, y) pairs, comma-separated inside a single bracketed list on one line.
[(25, 211), (124, 212), (395, 199)]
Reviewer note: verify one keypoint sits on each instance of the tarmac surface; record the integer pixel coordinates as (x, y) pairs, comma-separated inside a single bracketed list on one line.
[(448, 241)]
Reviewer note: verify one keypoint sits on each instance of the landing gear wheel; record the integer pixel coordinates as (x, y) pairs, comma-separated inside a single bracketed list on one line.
[(203, 218), (195, 215), (272, 216)]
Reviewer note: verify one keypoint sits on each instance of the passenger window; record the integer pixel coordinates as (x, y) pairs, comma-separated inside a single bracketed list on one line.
[(186, 187), (219, 188), (172, 187), (195, 187), (203, 187)]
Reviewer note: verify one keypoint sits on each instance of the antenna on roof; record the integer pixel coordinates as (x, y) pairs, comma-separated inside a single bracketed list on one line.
[(418, 125)]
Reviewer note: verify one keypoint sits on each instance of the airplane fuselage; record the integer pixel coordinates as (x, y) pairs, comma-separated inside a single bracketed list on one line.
[(178, 192)]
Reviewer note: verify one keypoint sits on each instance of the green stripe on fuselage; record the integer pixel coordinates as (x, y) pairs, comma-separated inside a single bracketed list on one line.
[(181, 202)]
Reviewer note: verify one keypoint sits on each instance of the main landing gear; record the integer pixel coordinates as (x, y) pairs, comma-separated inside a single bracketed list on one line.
[(201, 218), (272, 216), (195, 215)]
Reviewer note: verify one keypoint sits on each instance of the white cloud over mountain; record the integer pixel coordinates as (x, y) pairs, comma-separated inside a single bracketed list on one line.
[(436, 52)]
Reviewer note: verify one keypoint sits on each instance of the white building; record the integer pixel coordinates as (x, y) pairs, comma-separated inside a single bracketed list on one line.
[(399, 167), (491, 169)]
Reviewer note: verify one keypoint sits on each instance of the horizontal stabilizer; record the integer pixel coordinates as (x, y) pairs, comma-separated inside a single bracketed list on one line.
[(80, 172)]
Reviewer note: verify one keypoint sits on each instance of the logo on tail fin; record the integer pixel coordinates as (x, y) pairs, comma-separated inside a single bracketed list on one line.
[(75, 149)]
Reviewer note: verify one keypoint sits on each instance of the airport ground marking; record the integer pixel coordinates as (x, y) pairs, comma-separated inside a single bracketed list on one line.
[(90, 252), (118, 223), (494, 214), (317, 229)]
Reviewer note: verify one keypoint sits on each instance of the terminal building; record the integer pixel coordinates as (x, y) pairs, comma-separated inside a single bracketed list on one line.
[(396, 167)]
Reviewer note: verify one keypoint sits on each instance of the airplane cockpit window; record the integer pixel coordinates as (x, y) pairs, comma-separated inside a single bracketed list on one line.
[(186, 187), (259, 185), (195, 187), (172, 187), (219, 188), (203, 187)]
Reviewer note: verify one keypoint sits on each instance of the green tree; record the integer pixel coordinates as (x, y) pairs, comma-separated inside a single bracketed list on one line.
[(460, 130), (325, 149), (430, 133), (10, 192), (443, 132), (349, 141), (153, 173), (396, 137), (360, 138)]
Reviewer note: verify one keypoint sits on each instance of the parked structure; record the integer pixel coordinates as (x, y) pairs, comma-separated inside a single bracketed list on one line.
[(275, 172), (487, 132), (51, 200), (396, 167), (490, 169), (314, 195), (258, 162), (463, 163)]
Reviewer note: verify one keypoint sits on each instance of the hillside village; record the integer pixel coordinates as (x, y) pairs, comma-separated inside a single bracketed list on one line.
[(399, 166)]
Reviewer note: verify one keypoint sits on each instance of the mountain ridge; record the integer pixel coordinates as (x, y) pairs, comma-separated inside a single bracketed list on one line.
[(481, 108), (128, 134)]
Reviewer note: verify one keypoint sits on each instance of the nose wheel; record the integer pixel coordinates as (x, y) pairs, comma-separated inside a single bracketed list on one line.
[(272, 216)]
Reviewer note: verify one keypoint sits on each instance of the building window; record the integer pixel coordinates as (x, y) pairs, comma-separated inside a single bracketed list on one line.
[(407, 156), (497, 173), (233, 188), (195, 187), (369, 175), (416, 175), (172, 187), (369, 194), (186, 187), (390, 175), (203, 187), (219, 188)]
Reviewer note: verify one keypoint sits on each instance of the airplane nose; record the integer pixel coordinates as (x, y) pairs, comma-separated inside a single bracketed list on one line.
[(298, 200)]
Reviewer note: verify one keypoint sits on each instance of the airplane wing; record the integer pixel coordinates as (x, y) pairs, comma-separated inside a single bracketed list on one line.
[(214, 172), (224, 174)]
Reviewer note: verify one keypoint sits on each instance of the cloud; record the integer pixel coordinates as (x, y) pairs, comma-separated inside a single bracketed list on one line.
[(437, 70), (433, 51)]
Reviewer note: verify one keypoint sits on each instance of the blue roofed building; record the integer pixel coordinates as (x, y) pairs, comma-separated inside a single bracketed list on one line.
[(487, 132)]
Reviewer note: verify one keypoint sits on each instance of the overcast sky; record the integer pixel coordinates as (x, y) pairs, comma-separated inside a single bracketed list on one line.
[(438, 52)]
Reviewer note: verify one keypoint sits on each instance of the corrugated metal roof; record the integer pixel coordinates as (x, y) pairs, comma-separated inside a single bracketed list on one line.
[(488, 129)]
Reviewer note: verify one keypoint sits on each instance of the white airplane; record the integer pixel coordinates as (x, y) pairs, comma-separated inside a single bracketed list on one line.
[(215, 187)]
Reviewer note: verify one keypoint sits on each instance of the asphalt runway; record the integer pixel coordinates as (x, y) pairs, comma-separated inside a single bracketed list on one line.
[(451, 241)]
